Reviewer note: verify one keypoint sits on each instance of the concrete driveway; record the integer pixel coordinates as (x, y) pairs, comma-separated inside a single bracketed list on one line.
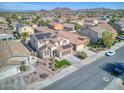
[(75, 61)]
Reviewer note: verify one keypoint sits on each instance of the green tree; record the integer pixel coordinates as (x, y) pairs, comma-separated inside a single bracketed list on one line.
[(80, 17), (47, 22), (113, 19), (68, 20), (108, 39), (24, 36), (81, 55), (41, 23), (23, 67), (77, 26)]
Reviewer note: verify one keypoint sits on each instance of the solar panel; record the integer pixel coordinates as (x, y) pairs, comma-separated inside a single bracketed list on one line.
[(43, 36), (66, 46)]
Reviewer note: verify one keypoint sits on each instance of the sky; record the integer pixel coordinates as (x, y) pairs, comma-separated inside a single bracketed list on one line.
[(51, 5)]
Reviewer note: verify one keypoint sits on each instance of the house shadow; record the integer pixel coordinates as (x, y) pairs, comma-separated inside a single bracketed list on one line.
[(109, 68)]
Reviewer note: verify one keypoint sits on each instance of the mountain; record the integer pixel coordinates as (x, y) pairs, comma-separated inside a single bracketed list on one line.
[(61, 9), (66, 10)]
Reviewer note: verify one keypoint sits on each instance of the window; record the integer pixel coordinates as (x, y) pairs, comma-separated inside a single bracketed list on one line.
[(65, 41)]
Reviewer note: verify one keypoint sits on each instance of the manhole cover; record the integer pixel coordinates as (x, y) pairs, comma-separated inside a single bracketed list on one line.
[(105, 78)]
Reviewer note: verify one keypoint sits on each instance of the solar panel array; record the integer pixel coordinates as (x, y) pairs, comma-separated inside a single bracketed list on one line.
[(43, 36)]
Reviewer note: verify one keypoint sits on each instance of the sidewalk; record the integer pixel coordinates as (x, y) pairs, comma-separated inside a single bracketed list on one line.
[(116, 84), (72, 68)]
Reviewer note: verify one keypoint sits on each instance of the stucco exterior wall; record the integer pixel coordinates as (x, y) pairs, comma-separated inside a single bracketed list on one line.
[(90, 33), (27, 29)]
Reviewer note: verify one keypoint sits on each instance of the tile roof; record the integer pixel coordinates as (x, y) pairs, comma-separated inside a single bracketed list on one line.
[(69, 25), (101, 28), (10, 49), (74, 38), (43, 29)]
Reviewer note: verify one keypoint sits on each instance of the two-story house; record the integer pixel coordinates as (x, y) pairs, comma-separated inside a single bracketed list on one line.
[(56, 26), (119, 26), (49, 44), (95, 32), (20, 28), (5, 32)]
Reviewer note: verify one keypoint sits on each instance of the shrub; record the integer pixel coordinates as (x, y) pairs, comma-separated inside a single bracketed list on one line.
[(23, 67), (81, 55)]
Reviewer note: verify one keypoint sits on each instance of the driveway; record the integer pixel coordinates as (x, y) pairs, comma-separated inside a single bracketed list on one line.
[(72, 59), (88, 52)]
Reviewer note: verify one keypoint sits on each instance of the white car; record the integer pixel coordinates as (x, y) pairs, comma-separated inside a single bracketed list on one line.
[(110, 53)]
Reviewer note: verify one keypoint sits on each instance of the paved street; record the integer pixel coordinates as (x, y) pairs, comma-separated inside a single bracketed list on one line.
[(92, 76)]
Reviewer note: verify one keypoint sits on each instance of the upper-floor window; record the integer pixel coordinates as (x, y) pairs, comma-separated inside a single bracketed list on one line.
[(65, 41)]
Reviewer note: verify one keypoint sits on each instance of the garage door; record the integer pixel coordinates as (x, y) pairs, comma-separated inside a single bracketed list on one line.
[(66, 52)]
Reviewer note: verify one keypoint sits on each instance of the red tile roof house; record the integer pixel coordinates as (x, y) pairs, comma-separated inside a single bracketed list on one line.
[(78, 41), (49, 44)]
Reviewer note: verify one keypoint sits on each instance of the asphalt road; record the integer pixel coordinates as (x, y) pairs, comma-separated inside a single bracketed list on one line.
[(94, 76)]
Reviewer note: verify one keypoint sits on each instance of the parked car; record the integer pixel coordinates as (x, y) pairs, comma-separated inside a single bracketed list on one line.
[(119, 69), (110, 53)]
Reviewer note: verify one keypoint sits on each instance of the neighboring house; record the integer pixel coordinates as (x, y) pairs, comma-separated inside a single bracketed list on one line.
[(20, 28), (78, 41), (14, 50), (47, 18), (59, 20), (47, 44), (56, 26), (5, 32), (12, 54), (119, 26), (2, 19), (5, 35), (69, 27), (90, 21), (102, 21), (95, 32), (28, 18)]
